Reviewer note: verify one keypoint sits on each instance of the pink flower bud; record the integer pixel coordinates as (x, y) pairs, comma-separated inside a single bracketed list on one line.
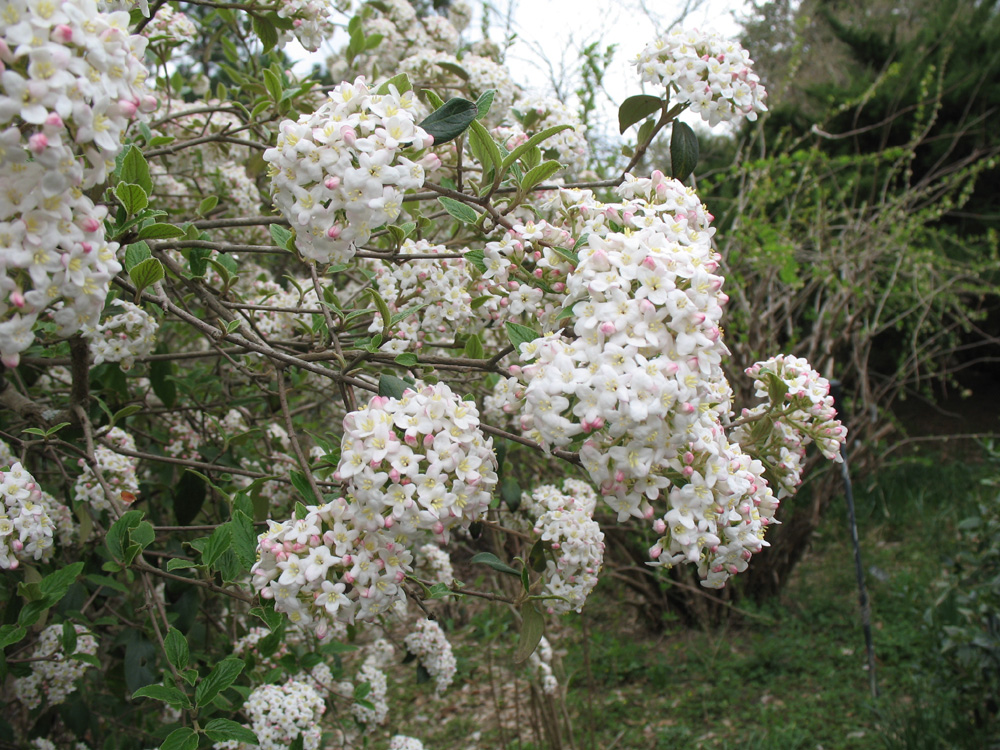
[(54, 121), (38, 143), (90, 224), (127, 108), (332, 182), (333, 232)]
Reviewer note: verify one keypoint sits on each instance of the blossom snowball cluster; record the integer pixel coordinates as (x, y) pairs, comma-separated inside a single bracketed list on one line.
[(340, 172), (72, 80)]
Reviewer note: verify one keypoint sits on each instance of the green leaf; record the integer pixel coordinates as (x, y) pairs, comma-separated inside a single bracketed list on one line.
[(636, 108), (273, 84), (160, 232), (455, 69), (208, 204), (392, 387), (135, 169), (683, 150), (532, 629), (400, 81), (160, 372), (484, 148), (219, 542), (132, 197), (484, 102), (178, 564), (474, 348), (221, 730), (300, 483), (135, 254), (519, 334), (459, 210), (169, 695), (220, 678), (265, 31), (488, 558), (184, 738), (510, 491), (514, 155), (539, 174), (124, 412), (176, 646), (476, 258), (244, 538), (451, 120), (146, 274), (406, 359), (381, 306), (10, 634)]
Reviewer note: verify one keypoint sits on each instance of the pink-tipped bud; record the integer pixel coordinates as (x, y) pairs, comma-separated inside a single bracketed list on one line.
[(334, 232), (90, 224), (38, 143), (54, 121), (348, 134), (63, 33), (127, 108), (17, 299), (660, 526), (332, 182)]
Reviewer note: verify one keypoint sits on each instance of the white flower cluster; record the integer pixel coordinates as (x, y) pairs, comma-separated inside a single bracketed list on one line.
[(54, 678), (419, 463), (311, 20), (539, 113), (29, 518), (402, 742), (430, 645), (340, 172), (372, 674), (440, 286), (575, 550), (122, 337), (412, 465), (72, 79), (711, 73), (119, 472), (799, 411), (172, 25), (431, 563), (540, 666), (642, 379), (279, 715), (281, 323)]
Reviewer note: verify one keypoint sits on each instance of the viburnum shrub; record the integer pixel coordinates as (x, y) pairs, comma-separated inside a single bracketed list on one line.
[(275, 349)]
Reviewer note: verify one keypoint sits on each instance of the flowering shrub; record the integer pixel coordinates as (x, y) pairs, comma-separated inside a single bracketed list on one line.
[(268, 428)]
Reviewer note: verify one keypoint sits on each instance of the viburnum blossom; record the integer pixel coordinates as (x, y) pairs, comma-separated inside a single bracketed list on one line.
[(419, 463), (122, 337), (118, 470), (29, 517), (342, 171), (312, 22), (574, 547), (432, 563), (706, 70), (72, 79), (402, 742), (429, 644), (372, 674), (799, 411), (279, 715), (540, 665), (54, 677), (642, 383), (436, 293)]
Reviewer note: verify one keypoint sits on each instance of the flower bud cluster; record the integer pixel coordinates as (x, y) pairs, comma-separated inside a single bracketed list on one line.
[(122, 337), (441, 287), (279, 715), (280, 323), (248, 646), (402, 742), (53, 676), (429, 644), (642, 384), (71, 80), (799, 411), (540, 666), (118, 471), (711, 73), (574, 549), (340, 172), (29, 518)]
